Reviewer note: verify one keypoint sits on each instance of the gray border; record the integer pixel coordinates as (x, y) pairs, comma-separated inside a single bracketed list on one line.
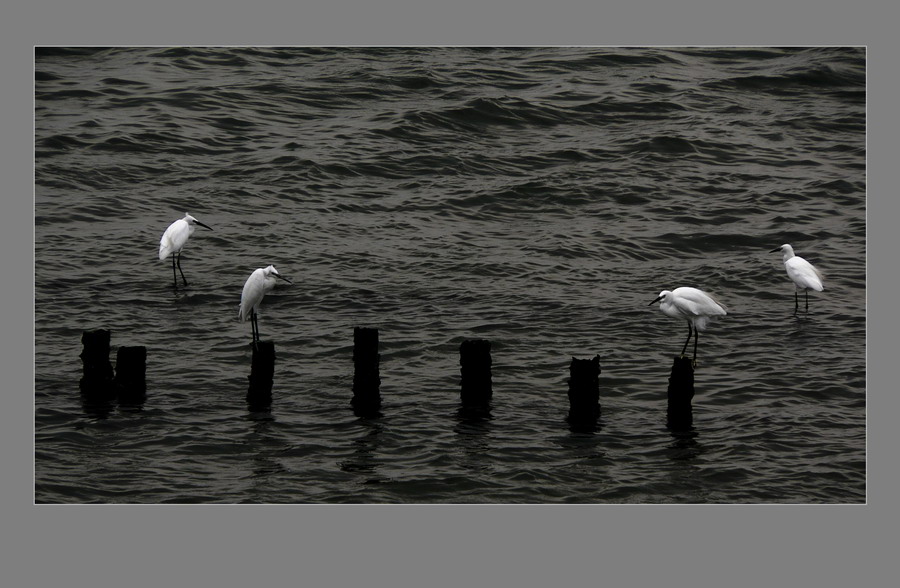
[(440, 545)]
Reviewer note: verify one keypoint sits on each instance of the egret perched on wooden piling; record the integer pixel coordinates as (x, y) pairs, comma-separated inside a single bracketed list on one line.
[(173, 241), (260, 282), (696, 306), (804, 275)]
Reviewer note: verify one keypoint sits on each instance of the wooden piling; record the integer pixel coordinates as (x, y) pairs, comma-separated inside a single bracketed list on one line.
[(97, 372), (131, 368), (679, 414), (475, 371), (584, 391), (262, 375), (366, 377)]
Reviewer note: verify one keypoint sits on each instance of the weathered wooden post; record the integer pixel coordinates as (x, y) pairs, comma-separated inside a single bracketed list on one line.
[(366, 377), (679, 414), (262, 375), (584, 392), (475, 370), (97, 372), (131, 367)]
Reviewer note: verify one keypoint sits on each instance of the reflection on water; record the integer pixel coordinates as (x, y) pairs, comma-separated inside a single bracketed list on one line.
[(98, 408), (585, 426), (473, 438), (583, 446), (685, 445), (365, 448)]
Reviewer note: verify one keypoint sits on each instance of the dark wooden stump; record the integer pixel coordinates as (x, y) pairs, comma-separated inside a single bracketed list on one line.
[(584, 391), (131, 368), (97, 372), (366, 377), (262, 375), (679, 414), (475, 370)]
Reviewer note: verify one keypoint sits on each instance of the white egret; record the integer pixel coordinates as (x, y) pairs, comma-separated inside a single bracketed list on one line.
[(173, 241), (696, 306), (260, 282), (804, 274)]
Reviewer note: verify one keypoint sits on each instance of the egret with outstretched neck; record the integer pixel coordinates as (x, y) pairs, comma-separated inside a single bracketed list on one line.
[(804, 275), (173, 241), (693, 305), (260, 282)]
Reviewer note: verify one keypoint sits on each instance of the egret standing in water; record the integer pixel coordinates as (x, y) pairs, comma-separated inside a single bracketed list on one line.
[(804, 274), (173, 241), (696, 306), (260, 282)]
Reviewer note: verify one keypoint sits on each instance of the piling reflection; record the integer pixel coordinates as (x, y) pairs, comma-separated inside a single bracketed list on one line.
[(266, 446), (259, 410), (584, 448), (94, 406), (584, 427), (365, 449), (473, 428), (473, 415), (132, 404), (685, 445)]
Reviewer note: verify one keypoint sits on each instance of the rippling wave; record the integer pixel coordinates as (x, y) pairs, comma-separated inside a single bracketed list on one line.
[(535, 197)]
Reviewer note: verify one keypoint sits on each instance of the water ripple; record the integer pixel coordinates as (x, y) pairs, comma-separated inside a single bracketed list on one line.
[(539, 198)]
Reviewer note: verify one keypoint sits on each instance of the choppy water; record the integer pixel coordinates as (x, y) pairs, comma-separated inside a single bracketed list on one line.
[(536, 197)]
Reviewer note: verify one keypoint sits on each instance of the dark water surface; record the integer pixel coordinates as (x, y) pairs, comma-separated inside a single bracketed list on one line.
[(536, 197)]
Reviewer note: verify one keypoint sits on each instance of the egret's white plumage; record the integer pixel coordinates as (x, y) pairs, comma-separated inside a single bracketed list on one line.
[(693, 305), (174, 239), (804, 274), (260, 282)]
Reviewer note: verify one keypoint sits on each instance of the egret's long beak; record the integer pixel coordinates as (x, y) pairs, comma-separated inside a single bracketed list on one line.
[(776, 249), (658, 298), (202, 225), (283, 278)]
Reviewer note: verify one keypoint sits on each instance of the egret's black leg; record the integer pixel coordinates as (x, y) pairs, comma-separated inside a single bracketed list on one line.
[(806, 293), (696, 333), (254, 327), (174, 276), (686, 341), (796, 302), (179, 269)]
